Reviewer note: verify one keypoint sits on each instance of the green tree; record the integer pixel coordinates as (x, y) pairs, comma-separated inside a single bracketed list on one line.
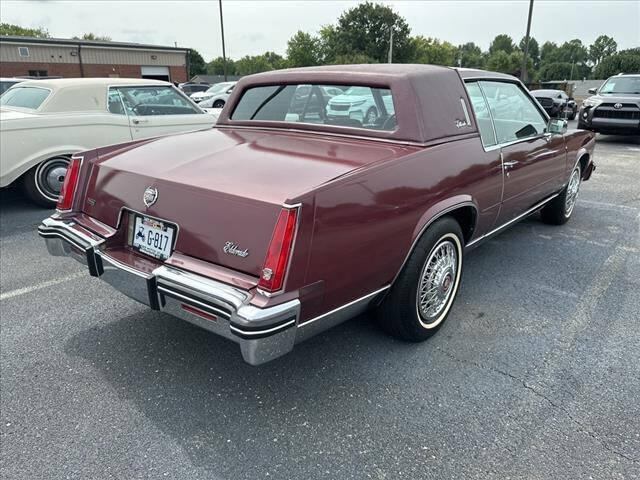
[(510, 63), (602, 47), (197, 65), (470, 56), (624, 61), (303, 50), (18, 31), (549, 52), (502, 43), (93, 36), (252, 64), (572, 51), (216, 67), (534, 50), (432, 50), (366, 29), (352, 58), (276, 61)]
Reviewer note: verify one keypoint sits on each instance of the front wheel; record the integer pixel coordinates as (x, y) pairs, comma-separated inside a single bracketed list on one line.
[(218, 104), (559, 210), (421, 297), (43, 182)]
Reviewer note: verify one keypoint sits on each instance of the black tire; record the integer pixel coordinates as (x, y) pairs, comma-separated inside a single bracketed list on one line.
[(401, 313), (574, 112), (42, 183), (218, 104), (559, 210)]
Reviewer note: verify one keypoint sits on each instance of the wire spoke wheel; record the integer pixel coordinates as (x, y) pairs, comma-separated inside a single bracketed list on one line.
[(572, 192), (438, 282)]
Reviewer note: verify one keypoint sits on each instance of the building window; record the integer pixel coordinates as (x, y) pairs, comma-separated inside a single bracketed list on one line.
[(23, 51), (38, 73)]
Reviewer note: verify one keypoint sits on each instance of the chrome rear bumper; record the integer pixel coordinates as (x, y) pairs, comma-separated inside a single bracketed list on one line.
[(262, 333)]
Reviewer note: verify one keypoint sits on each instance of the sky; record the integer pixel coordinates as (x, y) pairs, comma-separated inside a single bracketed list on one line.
[(253, 27)]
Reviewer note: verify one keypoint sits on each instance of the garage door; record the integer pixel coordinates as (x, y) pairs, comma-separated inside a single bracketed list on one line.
[(156, 73)]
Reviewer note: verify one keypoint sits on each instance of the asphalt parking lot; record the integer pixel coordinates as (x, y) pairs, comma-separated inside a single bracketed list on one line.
[(535, 375)]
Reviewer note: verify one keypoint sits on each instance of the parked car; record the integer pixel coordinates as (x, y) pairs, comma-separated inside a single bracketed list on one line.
[(217, 93), (614, 108), (356, 103), (556, 103), (44, 122), (6, 83), (190, 88), (268, 229)]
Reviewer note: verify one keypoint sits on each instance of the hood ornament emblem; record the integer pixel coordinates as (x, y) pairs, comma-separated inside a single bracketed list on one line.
[(150, 196), (617, 105)]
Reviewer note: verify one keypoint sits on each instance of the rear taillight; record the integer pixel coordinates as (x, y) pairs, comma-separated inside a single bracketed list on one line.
[(70, 184), (277, 261)]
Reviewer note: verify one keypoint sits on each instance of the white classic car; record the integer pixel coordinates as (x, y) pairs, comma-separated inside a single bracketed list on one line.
[(43, 123)]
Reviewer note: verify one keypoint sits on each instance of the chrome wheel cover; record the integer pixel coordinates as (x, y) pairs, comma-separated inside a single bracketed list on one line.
[(49, 177), (439, 281), (572, 192)]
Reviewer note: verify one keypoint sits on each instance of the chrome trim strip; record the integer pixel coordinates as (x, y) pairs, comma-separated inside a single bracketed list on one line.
[(346, 305), (427, 225), (466, 112), (250, 333), (191, 300), (122, 266), (537, 206)]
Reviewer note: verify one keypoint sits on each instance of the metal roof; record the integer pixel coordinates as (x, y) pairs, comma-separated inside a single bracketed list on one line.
[(87, 43)]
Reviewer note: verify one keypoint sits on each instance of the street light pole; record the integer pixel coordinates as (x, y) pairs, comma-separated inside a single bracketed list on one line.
[(523, 70), (224, 54)]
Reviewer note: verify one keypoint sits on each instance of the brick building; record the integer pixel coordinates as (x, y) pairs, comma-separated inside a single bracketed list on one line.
[(41, 57)]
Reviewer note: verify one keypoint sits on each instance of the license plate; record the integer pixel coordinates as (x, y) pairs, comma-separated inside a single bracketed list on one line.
[(152, 237)]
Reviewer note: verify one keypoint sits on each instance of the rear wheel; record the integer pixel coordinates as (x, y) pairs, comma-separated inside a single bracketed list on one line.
[(43, 182), (421, 297), (559, 210), (218, 104)]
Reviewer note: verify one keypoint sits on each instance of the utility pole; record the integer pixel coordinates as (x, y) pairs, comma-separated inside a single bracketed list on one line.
[(390, 56), (523, 70), (224, 54)]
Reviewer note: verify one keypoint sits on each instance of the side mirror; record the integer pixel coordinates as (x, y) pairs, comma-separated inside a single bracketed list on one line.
[(557, 126), (230, 90), (593, 91)]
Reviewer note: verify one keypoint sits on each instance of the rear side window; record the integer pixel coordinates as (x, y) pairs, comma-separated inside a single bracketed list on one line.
[(338, 105), (24, 97), (481, 109), (157, 100)]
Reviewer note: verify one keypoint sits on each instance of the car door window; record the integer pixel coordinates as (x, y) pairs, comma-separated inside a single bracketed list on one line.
[(481, 109), (115, 102), (155, 100), (514, 114)]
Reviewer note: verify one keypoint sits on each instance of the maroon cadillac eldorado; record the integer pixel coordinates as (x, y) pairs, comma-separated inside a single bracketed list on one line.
[(321, 192)]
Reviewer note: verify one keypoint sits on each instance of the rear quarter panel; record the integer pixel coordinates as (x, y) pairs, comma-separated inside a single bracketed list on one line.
[(26, 142), (366, 223), (579, 143)]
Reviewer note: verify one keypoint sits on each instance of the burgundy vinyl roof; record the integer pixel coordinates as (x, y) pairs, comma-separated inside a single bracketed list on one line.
[(428, 99)]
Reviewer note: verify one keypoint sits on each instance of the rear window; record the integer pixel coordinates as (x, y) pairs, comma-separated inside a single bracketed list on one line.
[(338, 105), (24, 97)]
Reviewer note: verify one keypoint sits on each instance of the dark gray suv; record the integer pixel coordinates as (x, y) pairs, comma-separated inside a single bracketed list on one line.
[(614, 108)]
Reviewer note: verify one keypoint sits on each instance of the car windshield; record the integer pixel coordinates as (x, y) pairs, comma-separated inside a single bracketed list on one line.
[(370, 107), (622, 85), (219, 87), (24, 97)]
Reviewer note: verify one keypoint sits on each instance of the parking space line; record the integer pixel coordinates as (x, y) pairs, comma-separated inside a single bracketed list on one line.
[(49, 283)]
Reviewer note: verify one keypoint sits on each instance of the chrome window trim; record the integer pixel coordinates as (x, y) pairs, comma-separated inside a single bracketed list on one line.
[(466, 112)]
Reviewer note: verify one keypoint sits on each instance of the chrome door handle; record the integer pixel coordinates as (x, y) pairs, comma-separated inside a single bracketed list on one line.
[(507, 165), (138, 121)]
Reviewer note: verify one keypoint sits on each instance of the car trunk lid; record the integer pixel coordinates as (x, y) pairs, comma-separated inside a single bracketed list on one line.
[(222, 186)]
